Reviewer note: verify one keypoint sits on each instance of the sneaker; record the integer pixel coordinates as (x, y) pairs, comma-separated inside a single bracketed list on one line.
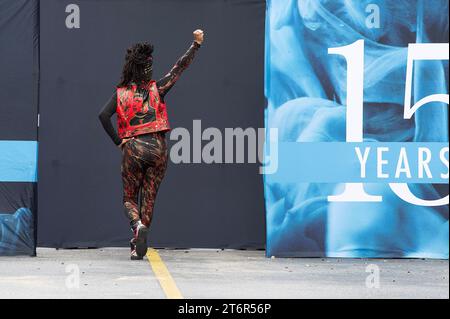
[(140, 239), (134, 255)]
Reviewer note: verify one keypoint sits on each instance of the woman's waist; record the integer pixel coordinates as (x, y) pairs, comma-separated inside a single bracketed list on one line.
[(146, 137)]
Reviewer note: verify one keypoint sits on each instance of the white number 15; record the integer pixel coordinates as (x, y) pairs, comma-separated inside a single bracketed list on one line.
[(354, 55)]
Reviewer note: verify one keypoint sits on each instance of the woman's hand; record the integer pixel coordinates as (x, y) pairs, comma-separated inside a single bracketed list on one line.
[(198, 36), (124, 141)]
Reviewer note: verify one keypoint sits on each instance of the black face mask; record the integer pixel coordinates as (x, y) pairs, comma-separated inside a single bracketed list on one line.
[(148, 70)]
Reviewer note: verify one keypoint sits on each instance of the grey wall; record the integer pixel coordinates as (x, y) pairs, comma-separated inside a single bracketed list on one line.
[(199, 205)]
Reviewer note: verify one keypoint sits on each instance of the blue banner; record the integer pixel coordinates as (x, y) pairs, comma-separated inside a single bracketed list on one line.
[(18, 161), (358, 94), (341, 162)]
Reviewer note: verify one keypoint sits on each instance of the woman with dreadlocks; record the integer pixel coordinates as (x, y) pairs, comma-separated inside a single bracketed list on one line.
[(142, 123)]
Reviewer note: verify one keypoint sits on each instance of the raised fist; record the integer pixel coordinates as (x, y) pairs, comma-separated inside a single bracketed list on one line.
[(198, 36)]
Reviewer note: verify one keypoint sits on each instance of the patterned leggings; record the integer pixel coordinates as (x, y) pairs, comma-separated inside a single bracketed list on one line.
[(144, 164)]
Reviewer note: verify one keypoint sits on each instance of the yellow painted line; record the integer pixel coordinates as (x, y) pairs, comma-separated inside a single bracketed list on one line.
[(163, 275)]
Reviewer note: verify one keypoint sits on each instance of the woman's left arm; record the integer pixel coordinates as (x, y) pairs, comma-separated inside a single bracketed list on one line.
[(168, 81), (105, 118)]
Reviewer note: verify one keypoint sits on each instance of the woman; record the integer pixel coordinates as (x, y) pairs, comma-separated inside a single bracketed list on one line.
[(142, 123)]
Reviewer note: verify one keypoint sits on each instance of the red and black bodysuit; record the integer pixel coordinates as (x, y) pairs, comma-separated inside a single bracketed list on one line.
[(141, 115)]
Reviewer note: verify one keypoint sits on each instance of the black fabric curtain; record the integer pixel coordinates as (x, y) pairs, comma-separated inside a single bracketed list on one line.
[(82, 52), (19, 89), (62, 60)]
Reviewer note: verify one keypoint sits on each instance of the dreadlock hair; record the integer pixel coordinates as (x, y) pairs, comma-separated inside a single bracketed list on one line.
[(138, 57)]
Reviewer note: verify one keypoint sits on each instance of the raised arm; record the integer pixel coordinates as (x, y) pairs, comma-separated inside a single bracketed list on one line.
[(168, 81)]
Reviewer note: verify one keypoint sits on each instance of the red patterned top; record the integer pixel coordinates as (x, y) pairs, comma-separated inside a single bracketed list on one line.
[(157, 91), (136, 116)]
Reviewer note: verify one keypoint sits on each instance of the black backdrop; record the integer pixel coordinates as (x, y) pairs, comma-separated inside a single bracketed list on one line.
[(199, 205), (19, 47)]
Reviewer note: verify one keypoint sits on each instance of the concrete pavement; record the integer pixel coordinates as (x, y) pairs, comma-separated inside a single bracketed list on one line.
[(197, 273)]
